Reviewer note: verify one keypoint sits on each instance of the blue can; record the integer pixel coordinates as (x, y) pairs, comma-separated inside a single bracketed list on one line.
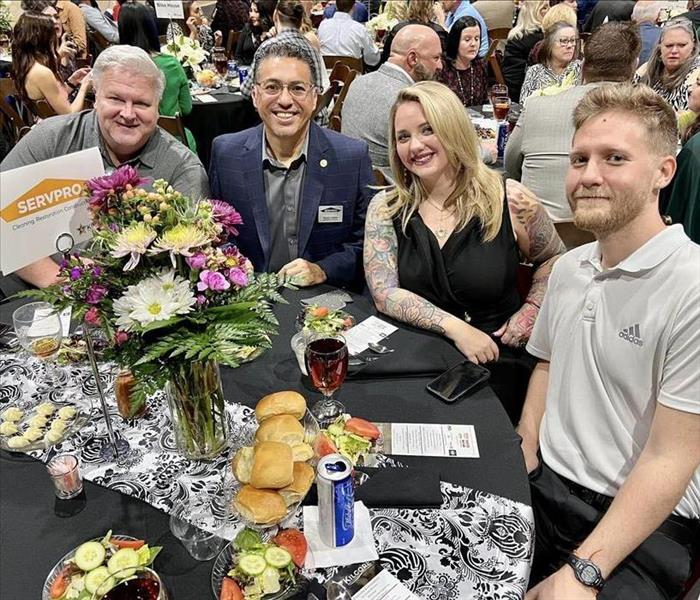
[(336, 500), (242, 75), (502, 139), (232, 69)]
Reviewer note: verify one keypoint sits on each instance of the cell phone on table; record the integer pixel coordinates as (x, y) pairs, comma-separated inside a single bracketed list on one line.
[(458, 381)]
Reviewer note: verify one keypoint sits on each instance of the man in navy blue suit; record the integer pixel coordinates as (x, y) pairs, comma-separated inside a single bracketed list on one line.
[(302, 191)]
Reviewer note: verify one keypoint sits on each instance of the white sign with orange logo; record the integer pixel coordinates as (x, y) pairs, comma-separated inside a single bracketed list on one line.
[(41, 202)]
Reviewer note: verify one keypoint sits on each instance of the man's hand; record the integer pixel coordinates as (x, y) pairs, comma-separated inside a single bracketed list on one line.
[(302, 273), (530, 456), (562, 584), (516, 331)]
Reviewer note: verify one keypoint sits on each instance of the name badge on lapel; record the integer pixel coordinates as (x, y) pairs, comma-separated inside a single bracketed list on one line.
[(330, 213)]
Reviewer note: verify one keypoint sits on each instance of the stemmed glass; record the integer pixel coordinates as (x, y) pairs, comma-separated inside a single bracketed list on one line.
[(500, 101), (40, 333), (327, 364)]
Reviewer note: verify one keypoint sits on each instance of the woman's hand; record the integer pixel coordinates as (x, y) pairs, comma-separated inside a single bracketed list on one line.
[(67, 49), (192, 24), (476, 345), (78, 76), (516, 331)]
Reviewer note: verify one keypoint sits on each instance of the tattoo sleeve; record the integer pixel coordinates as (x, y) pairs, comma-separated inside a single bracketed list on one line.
[(381, 271)]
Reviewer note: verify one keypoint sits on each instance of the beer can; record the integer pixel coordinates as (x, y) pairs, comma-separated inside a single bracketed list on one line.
[(336, 500), (232, 69), (242, 75), (502, 139)]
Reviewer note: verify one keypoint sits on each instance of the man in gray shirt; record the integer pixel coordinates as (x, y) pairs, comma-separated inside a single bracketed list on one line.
[(124, 126)]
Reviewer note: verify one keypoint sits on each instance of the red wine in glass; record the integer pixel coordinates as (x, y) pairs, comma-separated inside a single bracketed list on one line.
[(327, 365), (135, 589)]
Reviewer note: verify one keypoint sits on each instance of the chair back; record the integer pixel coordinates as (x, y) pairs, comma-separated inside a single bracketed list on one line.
[(174, 126), (340, 72), (324, 100), (338, 106), (231, 43), (41, 109), (334, 123), (17, 125), (350, 61), (493, 60), (499, 33)]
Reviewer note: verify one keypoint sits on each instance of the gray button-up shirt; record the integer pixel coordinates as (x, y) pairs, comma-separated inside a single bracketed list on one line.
[(283, 187)]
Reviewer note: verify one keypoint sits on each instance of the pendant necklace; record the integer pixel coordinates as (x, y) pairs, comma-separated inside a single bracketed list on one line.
[(461, 87), (441, 233)]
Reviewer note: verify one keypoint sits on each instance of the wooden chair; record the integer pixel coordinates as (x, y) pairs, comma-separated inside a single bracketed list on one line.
[(231, 43), (379, 178), (97, 41), (41, 109), (338, 106), (340, 72), (350, 61), (325, 99), (494, 61), (499, 33), (16, 123), (334, 123), (174, 126)]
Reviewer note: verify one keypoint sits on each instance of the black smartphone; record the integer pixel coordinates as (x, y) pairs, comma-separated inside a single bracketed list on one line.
[(458, 381)]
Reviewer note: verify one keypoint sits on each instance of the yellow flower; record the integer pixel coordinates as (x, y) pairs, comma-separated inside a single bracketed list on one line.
[(181, 239), (133, 240)]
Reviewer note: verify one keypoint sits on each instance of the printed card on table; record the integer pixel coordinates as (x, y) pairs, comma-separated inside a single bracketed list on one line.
[(41, 202)]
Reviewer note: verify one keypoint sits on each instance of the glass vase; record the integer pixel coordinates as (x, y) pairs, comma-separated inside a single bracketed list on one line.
[(196, 401)]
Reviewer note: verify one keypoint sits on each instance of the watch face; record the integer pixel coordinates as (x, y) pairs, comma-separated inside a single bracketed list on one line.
[(589, 574)]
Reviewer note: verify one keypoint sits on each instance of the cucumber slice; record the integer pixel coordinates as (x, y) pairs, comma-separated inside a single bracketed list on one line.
[(125, 560), (252, 564), (277, 557), (94, 578), (89, 556)]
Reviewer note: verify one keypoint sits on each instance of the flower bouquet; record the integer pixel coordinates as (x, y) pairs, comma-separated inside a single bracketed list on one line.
[(188, 51), (173, 298), (392, 13)]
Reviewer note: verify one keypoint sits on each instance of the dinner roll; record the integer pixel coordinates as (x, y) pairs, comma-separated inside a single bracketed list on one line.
[(302, 452), (303, 478), (281, 428), (242, 464), (260, 506), (273, 466), (280, 403)]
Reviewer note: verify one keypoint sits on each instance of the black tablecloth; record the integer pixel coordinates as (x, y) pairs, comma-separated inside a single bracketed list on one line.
[(231, 113), (37, 529)]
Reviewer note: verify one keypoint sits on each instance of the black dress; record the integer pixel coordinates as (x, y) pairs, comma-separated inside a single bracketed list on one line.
[(248, 43), (473, 278)]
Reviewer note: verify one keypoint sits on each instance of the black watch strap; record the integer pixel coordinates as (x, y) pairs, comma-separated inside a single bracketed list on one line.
[(586, 571)]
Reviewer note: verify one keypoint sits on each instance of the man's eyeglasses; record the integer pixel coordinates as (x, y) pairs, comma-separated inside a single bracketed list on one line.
[(567, 42), (273, 88)]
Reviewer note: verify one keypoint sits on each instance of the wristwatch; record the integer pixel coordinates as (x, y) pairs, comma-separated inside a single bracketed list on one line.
[(586, 571)]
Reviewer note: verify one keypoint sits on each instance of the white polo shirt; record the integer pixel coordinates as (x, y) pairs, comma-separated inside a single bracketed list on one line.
[(618, 341), (341, 36)]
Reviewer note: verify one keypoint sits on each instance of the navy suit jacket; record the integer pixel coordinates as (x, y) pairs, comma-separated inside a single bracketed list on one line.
[(338, 172)]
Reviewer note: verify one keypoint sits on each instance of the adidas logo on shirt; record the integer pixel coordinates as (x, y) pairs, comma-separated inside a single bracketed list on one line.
[(631, 334)]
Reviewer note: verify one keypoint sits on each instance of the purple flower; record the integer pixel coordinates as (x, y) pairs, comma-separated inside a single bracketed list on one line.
[(196, 261), (101, 188), (63, 264), (238, 277), (96, 271), (211, 280), (226, 216), (76, 273), (201, 299), (66, 289), (95, 293)]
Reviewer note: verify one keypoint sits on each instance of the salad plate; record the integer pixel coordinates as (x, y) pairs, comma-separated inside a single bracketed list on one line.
[(323, 320), (84, 560), (354, 438)]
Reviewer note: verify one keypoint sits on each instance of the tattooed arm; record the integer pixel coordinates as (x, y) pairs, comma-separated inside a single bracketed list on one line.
[(381, 271), (539, 243)]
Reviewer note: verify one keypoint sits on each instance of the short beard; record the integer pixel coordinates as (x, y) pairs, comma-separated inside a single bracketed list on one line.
[(622, 209), (421, 73)]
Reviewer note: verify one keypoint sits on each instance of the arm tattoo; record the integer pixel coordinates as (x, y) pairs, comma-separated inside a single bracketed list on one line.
[(381, 271)]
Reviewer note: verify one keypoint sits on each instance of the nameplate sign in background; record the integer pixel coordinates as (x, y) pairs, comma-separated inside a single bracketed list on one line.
[(169, 9), (40, 202)]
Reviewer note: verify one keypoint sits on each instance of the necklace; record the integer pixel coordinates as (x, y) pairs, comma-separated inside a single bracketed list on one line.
[(461, 87), (441, 233)]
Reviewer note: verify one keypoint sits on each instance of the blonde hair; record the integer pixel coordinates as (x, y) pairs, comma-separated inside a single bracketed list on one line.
[(656, 71), (529, 18), (423, 11), (478, 191), (651, 110), (559, 13)]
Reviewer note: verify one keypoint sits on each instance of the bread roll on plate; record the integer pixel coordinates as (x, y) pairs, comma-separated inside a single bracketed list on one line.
[(272, 466), (260, 506), (302, 452), (242, 464), (280, 403), (303, 478), (281, 428)]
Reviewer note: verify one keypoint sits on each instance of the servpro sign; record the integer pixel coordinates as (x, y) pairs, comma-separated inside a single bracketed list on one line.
[(47, 194)]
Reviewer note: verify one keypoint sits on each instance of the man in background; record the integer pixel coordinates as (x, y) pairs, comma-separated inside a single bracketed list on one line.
[(341, 36), (646, 15)]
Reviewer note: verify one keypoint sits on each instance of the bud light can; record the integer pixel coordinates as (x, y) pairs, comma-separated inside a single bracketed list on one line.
[(336, 500), (502, 139), (232, 69), (242, 75)]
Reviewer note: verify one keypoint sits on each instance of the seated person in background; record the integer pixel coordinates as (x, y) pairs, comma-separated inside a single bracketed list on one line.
[(96, 20), (681, 199), (608, 10), (254, 31), (417, 13), (693, 14), (557, 61), (415, 56), (455, 10), (136, 28), (35, 65), (538, 148), (646, 15), (464, 72), (194, 25), (123, 125), (558, 13), (230, 15), (301, 190), (73, 23), (341, 36), (675, 56), (358, 12), (611, 425), (442, 247)]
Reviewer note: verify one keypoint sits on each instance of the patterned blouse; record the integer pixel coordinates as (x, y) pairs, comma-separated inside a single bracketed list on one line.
[(540, 76), (469, 84), (204, 37), (678, 96)]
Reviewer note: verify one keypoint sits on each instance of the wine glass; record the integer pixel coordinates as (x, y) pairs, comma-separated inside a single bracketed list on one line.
[(500, 101), (39, 331), (327, 364), (139, 583)]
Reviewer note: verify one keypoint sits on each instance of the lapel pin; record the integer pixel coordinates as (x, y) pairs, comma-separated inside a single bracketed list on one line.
[(323, 163)]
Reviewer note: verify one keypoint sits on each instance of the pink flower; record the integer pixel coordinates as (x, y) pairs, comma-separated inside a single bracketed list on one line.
[(201, 299), (226, 216), (238, 277), (196, 261), (120, 337), (102, 188), (92, 316), (211, 280), (95, 293)]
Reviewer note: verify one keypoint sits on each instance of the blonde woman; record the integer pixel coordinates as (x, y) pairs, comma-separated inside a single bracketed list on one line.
[(442, 247), (521, 40)]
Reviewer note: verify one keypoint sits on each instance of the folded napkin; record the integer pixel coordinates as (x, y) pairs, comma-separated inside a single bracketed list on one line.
[(390, 487), (360, 549)]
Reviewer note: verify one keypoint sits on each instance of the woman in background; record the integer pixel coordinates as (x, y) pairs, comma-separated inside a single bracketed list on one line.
[(255, 30), (195, 25)]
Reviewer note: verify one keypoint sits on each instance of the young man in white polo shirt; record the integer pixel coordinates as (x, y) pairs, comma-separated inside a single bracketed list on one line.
[(613, 408)]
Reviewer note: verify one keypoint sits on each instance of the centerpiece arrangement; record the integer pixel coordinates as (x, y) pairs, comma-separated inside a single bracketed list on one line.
[(188, 51), (173, 298)]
